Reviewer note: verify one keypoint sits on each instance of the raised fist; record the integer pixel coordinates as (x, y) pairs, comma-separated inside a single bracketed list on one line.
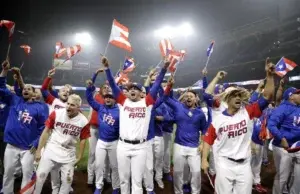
[(104, 61), (15, 70), (269, 67), (221, 74), (88, 83), (5, 65)]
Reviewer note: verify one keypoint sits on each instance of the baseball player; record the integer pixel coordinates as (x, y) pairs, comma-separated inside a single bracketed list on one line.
[(108, 116), (54, 103), (230, 137), (94, 133), (68, 126), (135, 116), (284, 126), (190, 121), (23, 128)]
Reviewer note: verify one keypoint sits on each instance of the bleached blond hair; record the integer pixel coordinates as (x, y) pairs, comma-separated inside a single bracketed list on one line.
[(245, 94), (76, 98)]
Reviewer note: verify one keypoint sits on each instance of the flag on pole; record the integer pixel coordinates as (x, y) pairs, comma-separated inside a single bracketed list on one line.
[(59, 50), (121, 77), (283, 66), (210, 49), (10, 27), (165, 46), (199, 84), (128, 65), (119, 36), (71, 51), (174, 57), (29, 187), (27, 49)]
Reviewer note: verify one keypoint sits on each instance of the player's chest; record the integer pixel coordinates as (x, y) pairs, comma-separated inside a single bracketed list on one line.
[(192, 116), (26, 112), (137, 111), (57, 104), (68, 127)]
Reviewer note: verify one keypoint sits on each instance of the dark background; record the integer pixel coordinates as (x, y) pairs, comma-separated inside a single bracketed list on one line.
[(245, 31)]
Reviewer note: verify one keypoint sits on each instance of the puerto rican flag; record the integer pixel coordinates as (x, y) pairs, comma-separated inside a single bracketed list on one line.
[(10, 27), (175, 57), (27, 49), (165, 46), (128, 65), (71, 51), (29, 187), (59, 50), (121, 77), (119, 36), (210, 49), (283, 66)]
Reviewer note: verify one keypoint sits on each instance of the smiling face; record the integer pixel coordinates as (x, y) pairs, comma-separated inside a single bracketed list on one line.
[(109, 100), (190, 99), (28, 92), (134, 94), (234, 100), (73, 105), (64, 93)]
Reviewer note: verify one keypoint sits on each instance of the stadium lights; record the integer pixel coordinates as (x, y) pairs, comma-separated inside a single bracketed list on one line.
[(83, 38), (185, 30)]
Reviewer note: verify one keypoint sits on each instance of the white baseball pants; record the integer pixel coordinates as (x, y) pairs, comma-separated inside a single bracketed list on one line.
[(45, 166), (158, 157), (148, 174), (181, 155), (12, 156), (283, 163), (233, 177), (167, 151), (186, 173), (106, 150), (131, 163), (295, 186), (256, 160), (91, 160)]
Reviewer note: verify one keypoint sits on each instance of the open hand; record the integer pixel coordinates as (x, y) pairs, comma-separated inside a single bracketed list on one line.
[(205, 166)]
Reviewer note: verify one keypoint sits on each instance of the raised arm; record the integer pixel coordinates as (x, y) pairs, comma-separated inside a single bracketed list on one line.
[(154, 89), (96, 74), (204, 79), (211, 86), (118, 94), (89, 96), (279, 93), (255, 95), (49, 98), (4, 92), (270, 86)]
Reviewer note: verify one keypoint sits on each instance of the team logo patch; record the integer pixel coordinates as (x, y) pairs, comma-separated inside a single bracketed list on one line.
[(190, 114)]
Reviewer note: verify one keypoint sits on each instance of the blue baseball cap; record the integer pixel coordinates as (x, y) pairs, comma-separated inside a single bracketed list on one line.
[(136, 85), (290, 91)]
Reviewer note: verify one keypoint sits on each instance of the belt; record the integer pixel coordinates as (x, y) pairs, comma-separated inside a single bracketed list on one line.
[(133, 141), (237, 161)]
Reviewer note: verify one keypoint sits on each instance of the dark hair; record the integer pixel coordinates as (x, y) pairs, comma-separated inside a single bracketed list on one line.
[(33, 89)]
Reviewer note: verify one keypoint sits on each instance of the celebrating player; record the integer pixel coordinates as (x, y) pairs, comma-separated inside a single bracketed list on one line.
[(284, 125), (24, 126), (67, 125), (134, 124), (94, 130), (230, 137), (190, 120), (108, 116)]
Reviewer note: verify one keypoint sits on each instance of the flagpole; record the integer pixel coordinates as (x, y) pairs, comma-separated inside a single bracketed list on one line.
[(8, 49), (207, 62), (157, 66), (22, 65), (106, 49)]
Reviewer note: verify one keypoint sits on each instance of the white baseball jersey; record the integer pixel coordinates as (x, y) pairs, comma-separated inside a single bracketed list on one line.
[(66, 132), (134, 117), (54, 103), (230, 135)]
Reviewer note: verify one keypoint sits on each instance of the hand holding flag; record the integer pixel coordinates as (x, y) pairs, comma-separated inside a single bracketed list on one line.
[(209, 51)]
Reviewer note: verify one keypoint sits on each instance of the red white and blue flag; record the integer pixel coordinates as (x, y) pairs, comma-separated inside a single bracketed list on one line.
[(10, 27), (210, 49), (175, 57), (165, 46), (283, 66), (121, 77), (29, 187), (128, 65)]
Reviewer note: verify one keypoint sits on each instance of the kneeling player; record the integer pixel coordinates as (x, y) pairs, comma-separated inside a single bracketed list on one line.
[(68, 126)]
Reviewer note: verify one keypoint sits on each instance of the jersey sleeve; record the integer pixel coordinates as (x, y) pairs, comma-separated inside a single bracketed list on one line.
[(49, 98), (255, 110), (210, 135), (85, 132), (50, 121), (118, 94)]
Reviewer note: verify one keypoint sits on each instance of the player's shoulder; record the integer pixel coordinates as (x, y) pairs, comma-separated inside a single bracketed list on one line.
[(83, 118)]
